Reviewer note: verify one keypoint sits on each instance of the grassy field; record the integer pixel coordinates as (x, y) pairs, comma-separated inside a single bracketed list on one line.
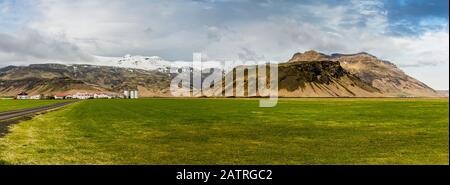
[(7, 105), (234, 131)]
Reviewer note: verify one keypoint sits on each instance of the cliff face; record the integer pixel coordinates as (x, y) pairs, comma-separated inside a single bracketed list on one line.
[(321, 79)]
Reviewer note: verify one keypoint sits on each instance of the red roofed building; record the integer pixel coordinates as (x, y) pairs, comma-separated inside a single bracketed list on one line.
[(22, 96), (61, 95)]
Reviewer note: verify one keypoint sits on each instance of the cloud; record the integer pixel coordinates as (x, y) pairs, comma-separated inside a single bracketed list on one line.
[(429, 49), (408, 17), (4, 7), (230, 29), (32, 45), (348, 29), (221, 28)]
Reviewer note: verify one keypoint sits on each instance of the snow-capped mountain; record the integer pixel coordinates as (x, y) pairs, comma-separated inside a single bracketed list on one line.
[(148, 63), (137, 62)]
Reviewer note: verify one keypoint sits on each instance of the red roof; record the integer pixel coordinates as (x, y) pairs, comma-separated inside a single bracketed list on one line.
[(61, 94)]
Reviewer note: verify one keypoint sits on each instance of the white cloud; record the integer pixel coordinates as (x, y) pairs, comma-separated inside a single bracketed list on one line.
[(4, 7), (119, 27), (34, 46)]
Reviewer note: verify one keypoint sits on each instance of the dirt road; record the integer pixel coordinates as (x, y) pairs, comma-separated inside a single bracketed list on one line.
[(11, 117)]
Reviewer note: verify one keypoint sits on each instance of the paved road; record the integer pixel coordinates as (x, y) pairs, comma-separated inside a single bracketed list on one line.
[(17, 113)]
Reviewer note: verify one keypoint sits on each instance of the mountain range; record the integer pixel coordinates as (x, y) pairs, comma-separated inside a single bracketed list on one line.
[(53, 78), (308, 74)]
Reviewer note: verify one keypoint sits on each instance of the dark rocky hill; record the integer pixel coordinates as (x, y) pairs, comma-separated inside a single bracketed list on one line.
[(380, 74)]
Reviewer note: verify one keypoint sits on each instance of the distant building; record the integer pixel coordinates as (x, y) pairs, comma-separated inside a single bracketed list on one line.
[(85, 95), (22, 96), (82, 96), (103, 96), (61, 96), (36, 97)]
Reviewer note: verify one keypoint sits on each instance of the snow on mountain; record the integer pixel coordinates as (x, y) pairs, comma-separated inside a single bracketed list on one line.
[(137, 62), (148, 63)]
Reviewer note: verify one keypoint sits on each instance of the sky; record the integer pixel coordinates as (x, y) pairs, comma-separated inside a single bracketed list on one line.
[(413, 34)]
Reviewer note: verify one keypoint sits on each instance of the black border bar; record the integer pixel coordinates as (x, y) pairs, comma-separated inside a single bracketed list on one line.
[(280, 174)]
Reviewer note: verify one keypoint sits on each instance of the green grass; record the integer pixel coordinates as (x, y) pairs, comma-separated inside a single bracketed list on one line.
[(8, 105), (235, 131)]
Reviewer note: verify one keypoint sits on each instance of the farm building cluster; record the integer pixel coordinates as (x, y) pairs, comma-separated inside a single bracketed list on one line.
[(24, 96), (127, 94)]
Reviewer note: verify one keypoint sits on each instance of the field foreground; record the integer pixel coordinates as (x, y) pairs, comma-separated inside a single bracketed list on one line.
[(234, 131)]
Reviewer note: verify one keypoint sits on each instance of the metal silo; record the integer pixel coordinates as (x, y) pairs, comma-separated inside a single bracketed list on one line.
[(126, 94)]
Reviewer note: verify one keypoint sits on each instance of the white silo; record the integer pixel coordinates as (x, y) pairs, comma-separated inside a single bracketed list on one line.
[(136, 94), (126, 94), (132, 94)]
